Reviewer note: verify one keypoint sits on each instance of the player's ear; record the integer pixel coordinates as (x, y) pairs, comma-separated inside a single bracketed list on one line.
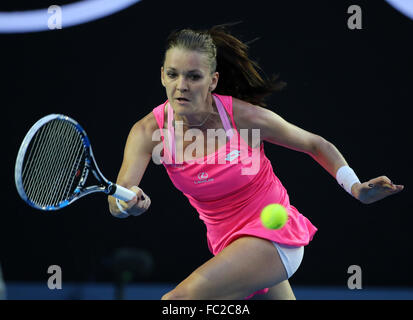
[(162, 77), (214, 82)]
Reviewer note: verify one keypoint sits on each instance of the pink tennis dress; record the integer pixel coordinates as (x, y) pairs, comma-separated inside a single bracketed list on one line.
[(230, 187)]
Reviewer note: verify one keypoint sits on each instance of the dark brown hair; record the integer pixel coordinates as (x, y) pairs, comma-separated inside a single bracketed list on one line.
[(239, 76)]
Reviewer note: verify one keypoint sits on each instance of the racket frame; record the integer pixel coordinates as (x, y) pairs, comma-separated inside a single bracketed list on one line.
[(80, 191)]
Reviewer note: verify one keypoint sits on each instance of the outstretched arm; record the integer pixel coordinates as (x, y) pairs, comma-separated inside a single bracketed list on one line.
[(275, 129), (137, 154), (327, 155)]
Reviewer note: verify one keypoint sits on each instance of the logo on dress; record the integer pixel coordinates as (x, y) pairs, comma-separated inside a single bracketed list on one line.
[(232, 155), (203, 178)]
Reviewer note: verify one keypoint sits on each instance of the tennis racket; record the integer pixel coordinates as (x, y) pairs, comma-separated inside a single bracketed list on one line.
[(53, 163)]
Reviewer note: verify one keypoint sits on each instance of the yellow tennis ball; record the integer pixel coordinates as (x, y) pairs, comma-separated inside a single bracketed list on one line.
[(274, 216)]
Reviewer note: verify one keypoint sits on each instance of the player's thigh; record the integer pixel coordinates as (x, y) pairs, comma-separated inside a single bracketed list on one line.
[(246, 265)]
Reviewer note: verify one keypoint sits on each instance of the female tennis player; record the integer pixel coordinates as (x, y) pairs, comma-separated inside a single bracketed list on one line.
[(211, 83)]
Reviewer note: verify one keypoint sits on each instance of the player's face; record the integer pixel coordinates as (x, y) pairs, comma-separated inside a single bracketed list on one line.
[(187, 77)]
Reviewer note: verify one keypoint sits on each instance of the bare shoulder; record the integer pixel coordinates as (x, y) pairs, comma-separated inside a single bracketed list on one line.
[(273, 128), (143, 131), (247, 115), (146, 125)]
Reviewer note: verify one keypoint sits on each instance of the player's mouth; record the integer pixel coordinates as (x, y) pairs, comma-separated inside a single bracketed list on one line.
[(182, 100)]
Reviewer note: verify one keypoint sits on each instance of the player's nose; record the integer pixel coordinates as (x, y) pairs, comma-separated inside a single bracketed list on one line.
[(182, 84)]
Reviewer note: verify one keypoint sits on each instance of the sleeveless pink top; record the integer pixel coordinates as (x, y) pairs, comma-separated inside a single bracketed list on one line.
[(231, 186)]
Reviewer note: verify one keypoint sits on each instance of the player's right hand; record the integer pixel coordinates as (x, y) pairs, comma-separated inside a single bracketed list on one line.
[(138, 204)]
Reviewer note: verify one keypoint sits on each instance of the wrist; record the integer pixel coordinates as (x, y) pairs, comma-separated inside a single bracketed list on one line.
[(347, 178), (355, 190)]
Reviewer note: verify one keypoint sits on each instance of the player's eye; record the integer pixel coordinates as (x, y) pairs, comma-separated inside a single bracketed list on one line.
[(195, 77)]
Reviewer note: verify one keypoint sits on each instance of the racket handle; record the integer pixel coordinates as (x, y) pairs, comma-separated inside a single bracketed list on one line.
[(122, 193)]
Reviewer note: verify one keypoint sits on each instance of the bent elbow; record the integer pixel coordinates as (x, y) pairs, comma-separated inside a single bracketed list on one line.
[(319, 144)]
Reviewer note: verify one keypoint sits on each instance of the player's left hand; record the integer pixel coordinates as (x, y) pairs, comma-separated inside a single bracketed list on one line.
[(375, 189)]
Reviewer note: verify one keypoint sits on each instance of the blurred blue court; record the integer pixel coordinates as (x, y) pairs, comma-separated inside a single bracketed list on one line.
[(153, 291)]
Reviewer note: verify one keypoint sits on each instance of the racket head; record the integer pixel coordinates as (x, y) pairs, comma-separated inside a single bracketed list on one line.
[(53, 163)]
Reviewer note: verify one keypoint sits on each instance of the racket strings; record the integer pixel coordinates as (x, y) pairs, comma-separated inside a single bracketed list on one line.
[(57, 172), (72, 172), (45, 166), (31, 181), (61, 173), (34, 181), (49, 175), (53, 163)]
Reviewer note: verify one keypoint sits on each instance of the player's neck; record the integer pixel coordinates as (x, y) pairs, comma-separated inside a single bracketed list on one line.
[(199, 119)]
